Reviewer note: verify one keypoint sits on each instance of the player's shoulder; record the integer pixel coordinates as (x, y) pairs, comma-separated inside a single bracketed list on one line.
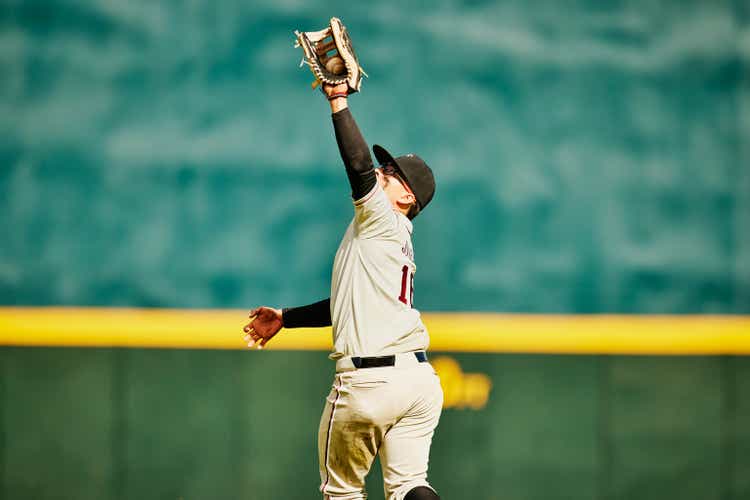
[(374, 193), (374, 216)]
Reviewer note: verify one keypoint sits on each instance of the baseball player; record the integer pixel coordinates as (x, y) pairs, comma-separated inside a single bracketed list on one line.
[(386, 398)]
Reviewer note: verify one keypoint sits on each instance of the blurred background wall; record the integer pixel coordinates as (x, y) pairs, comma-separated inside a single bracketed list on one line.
[(591, 157)]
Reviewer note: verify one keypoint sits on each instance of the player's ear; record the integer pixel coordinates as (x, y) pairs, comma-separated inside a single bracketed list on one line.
[(407, 198)]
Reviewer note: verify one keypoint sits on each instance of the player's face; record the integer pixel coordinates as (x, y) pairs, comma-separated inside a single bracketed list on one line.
[(393, 185), (389, 176)]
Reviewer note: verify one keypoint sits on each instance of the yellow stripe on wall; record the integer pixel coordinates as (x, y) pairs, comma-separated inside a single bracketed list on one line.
[(455, 332)]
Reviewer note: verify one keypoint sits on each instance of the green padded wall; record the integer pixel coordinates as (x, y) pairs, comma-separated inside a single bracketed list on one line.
[(153, 424), (58, 422)]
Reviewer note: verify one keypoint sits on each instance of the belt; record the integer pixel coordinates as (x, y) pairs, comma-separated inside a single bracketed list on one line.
[(357, 362)]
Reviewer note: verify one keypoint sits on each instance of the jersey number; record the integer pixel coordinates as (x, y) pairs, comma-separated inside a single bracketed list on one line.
[(407, 278)]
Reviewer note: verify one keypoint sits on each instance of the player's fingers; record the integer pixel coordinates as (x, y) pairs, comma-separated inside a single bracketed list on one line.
[(253, 312), (253, 339), (248, 327), (263, 343)]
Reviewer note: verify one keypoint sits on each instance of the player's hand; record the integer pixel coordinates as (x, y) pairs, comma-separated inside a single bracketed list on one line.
[(329, 90), (265, 323)]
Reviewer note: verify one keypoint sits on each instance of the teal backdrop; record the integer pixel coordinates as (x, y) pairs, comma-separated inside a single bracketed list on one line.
[(591, 156)]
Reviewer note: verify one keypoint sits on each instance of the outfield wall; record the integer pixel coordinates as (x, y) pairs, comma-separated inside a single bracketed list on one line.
[(154, 424), (519, 422)]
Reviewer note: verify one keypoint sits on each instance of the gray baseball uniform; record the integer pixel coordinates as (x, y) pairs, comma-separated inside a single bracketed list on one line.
[(372, 284), (390, 411), (385, 399)]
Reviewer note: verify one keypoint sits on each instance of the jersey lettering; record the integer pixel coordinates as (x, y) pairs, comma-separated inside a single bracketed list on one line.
[(407, 279)]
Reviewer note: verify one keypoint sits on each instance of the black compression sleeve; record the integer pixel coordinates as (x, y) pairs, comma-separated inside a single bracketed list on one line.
[(312, 315), (354, 153)]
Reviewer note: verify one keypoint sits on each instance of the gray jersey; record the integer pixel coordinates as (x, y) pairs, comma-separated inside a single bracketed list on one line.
[(372, 286)]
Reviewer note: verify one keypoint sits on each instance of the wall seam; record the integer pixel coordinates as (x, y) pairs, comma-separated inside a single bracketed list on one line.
[(727, 428), (604, 444), (118, 428), (3, 406)]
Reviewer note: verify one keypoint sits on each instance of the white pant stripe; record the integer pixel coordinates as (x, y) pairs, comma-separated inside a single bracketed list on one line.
[(328, 437)]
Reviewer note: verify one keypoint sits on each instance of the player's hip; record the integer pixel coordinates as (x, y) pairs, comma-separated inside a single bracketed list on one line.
[(383, 395)]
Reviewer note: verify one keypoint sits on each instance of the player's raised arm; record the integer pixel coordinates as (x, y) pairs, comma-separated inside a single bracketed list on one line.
[(266, 321), (354, 150)]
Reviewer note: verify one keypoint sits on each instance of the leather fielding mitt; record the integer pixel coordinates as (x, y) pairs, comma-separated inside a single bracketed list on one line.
[(330, 55)]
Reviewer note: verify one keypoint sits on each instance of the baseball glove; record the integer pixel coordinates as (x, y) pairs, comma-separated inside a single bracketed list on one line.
[(330, 55)]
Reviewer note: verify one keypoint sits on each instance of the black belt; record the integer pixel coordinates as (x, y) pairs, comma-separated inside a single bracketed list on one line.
[(378, 361)]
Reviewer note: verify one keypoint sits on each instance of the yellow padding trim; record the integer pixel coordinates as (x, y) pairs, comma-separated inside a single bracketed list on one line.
[(454, 332)]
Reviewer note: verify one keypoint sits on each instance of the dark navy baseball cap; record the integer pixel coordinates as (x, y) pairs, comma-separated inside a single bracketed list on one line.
[(415, 172)]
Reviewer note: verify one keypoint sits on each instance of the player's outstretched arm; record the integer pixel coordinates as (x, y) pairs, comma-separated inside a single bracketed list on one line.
[(267, 321), (352, 146)]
